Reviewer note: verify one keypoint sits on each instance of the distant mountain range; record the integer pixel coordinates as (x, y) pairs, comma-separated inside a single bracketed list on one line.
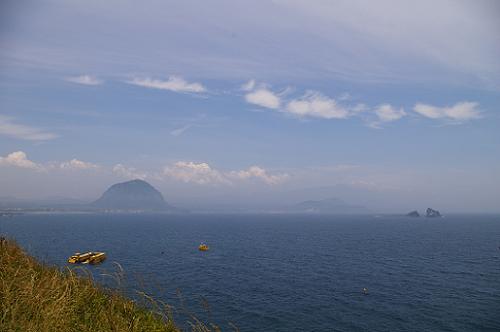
[(132, 195), (138, 195), (329, 205)]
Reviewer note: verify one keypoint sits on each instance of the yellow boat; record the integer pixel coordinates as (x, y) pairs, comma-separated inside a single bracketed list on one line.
[(203, 247), (79, 258), (87, 258), (96, 258)]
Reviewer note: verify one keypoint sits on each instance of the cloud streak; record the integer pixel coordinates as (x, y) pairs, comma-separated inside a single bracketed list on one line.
[(174, 83), (181, 130), (77, 164), (128, 172), (258, 173), (11, 129), (264, 97), (84, 80), (314, 104), (204, 174), (386, 113), (20, 159), (191, 172), (462, 111)]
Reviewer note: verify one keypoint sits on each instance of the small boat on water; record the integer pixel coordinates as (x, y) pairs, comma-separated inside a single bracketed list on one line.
[(203, 247), (87, 258), (79, 258)]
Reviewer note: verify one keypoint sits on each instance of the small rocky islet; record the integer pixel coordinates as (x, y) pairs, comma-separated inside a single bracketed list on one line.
[(429, 213)]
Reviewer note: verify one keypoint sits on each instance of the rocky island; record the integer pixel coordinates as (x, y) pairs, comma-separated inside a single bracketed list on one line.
[(413, 214), (431, 213)]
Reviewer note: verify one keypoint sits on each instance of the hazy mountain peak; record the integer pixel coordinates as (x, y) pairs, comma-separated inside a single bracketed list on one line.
[(132, 195), (328, 205)]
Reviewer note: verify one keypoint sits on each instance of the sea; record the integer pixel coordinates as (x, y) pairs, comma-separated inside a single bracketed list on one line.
[(272, 272)]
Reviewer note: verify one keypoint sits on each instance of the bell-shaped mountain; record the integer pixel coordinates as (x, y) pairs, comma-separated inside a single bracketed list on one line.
[(132, 195)]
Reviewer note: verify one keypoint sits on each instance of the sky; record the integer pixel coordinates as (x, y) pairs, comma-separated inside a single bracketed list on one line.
[(393, 105)]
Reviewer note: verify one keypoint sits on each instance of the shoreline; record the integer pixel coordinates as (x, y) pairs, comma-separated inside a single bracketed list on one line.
[(40, 297)]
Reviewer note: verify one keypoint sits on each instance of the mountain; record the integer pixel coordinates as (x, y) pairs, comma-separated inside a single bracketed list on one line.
[(329, 205), (132, 195)]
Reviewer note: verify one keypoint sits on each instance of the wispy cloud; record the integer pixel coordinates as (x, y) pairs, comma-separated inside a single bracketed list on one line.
[(314, 104), (77, 164), (9, 128), (386, 113), (310, 104), (264, 97), (85, 80), (191, 172), (461, 111), (248, 86), (128, 172), (19, 159), (259, 173), (174, 83), (203, 173), (181, 130)]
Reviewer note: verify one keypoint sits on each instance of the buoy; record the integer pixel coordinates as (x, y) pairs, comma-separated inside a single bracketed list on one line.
[(365, 290)]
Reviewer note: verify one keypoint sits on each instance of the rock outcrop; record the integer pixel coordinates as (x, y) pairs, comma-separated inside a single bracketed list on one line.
[(413, 214), (430, 213)]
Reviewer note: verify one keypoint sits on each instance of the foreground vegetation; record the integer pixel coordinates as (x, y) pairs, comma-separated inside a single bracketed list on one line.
[(35, 297)]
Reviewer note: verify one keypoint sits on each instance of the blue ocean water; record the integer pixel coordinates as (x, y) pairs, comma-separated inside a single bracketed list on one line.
[(293, 272)]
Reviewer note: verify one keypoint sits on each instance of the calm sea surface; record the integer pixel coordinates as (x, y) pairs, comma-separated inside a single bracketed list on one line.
[(293, 273)]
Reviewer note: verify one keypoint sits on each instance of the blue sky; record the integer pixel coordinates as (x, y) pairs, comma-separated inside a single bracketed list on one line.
[(392, 104)]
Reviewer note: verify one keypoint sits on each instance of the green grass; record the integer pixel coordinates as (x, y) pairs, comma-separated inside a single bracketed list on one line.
[(35, 297)]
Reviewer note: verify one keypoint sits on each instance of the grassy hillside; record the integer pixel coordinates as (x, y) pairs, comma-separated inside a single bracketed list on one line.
[(35, 297)]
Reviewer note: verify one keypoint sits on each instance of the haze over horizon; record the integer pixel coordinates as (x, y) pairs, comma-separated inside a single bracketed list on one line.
[(390, 105)]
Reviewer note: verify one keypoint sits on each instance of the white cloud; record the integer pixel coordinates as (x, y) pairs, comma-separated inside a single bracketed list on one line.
[(200, 173), (85, 80), (128, 172), (314, 104), (11, 129), (19, 159), (77, 164), (260, 173), (203, 173), (264, 97), (387, 113), (459, 112), (174, 83)]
